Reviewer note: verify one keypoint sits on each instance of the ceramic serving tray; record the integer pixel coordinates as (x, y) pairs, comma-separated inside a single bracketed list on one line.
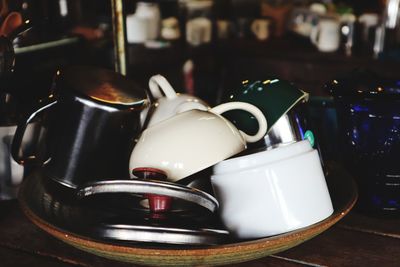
[(59, 219)]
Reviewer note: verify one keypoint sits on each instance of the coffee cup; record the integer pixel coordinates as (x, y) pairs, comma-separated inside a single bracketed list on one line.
[(198, 31), (166, 102), (272, 192), (326, 35), (260, 28), (274, 97), (193, 140)]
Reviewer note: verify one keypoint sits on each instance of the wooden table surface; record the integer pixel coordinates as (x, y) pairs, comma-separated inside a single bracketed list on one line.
[(357, 240)]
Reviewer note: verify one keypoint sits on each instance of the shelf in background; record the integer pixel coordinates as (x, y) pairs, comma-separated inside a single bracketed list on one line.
[(226, 63)]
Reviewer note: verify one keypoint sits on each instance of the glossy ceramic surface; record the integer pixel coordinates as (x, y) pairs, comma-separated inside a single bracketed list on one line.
[(242, 163), (368, 109), (193, 140), (273, 97), (272, 192), (40, 210), (167, 102)]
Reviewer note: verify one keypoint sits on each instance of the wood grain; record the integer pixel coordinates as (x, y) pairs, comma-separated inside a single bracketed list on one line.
[(19, 235), (389, 227), (11, 257), (342, 247)]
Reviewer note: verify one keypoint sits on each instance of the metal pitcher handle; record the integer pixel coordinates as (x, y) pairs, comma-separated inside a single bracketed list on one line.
[(20, 132)]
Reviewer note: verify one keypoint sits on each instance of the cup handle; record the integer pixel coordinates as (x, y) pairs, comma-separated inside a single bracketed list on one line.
[(314, 35), (20, 132), (255, 27), (253, 110), (159, 86)]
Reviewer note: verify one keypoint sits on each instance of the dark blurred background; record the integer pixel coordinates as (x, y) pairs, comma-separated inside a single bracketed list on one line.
[(71, 32)]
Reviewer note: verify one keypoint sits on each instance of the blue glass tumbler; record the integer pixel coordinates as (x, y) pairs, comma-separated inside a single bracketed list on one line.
[(368, 112)]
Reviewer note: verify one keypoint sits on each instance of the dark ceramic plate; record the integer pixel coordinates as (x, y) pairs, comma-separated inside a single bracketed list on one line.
[(61, 220)]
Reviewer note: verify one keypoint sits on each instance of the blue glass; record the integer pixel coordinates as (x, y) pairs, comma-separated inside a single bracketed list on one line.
[(370, 146), (368, 116)]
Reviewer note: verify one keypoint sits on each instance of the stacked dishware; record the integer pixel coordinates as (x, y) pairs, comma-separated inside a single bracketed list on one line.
[(278, 185), (137, 159)]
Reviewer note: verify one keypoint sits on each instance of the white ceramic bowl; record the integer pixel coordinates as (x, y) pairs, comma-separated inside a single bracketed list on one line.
[(272, 192)]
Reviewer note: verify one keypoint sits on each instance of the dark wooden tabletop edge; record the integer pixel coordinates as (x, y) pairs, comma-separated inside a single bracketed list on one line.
[(368, 231), (42, 254), (295, 261)]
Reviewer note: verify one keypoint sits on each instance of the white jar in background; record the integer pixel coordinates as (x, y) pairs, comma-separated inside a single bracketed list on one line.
[(198, 31), (150, 12), (198, 22), (144, 24), (135, 29)]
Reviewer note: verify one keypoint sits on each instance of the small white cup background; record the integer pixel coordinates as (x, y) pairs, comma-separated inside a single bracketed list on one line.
[(326, 35), (260, 27), (272, 192), (198, 31)]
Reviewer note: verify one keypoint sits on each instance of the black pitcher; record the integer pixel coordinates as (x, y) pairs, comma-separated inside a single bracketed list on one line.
[(93, 118)]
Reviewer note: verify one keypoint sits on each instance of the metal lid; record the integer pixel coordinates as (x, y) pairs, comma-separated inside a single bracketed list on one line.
[(162, 188), (102, 85), (161, 234)]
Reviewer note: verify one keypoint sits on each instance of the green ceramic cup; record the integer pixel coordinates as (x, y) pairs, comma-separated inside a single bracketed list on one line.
[(273, 97)]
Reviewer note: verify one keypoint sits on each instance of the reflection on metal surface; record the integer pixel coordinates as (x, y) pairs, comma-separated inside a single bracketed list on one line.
[(289, 128), (102, 85), (119, 36), (151, 187), (47, 45), (282, 132), (166, 235), (118, 218)]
